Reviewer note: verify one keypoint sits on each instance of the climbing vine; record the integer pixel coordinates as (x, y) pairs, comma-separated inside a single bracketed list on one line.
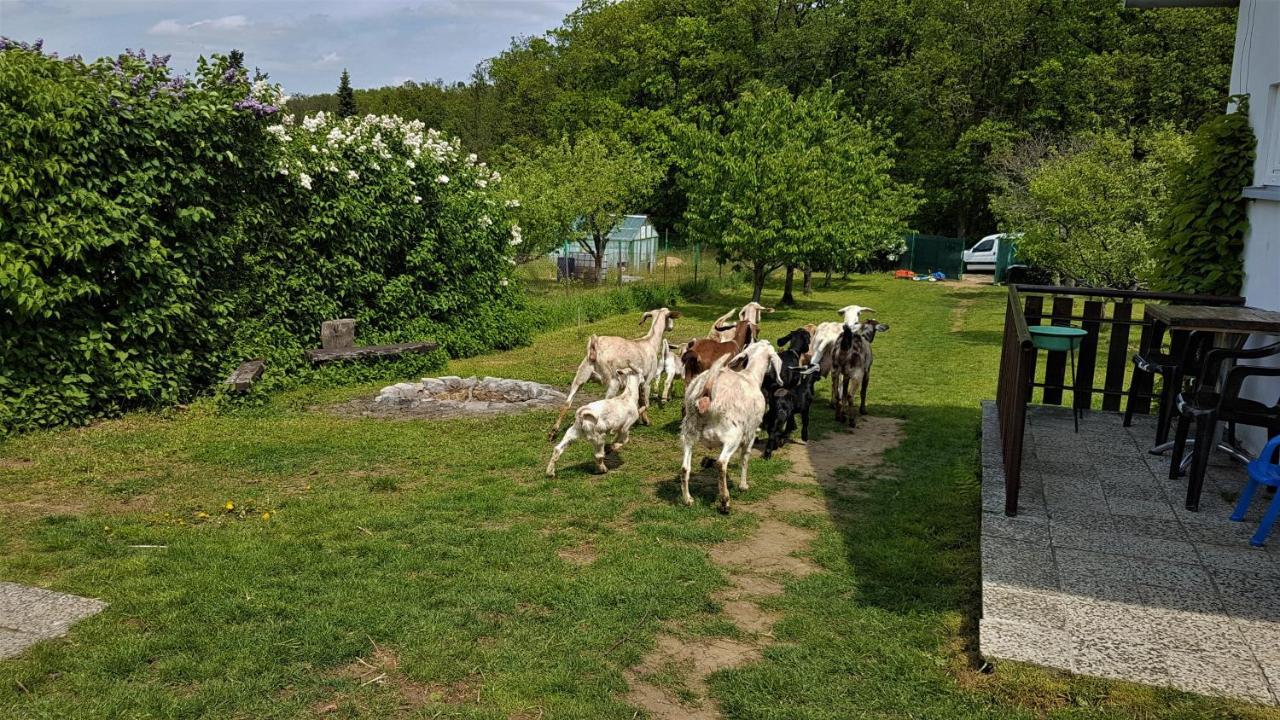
[(1201, 238)]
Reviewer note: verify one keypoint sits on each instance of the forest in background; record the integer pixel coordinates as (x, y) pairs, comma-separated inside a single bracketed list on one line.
[(954, 87)]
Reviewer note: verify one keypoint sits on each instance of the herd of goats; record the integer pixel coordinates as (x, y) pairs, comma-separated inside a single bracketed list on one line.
[(733, 383)]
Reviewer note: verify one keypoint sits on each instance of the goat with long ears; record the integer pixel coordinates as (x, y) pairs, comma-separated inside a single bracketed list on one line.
[(607, 354), (723, 410)]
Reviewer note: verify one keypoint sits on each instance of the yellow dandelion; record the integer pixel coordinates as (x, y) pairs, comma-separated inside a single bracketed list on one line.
[(230, 506), (266, 516)]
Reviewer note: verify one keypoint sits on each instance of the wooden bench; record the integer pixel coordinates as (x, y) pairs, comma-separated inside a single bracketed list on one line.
[(338, 342)]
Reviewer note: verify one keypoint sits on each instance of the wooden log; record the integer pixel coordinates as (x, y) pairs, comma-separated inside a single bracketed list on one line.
[(322, 356), (338, 334), (245, 376)]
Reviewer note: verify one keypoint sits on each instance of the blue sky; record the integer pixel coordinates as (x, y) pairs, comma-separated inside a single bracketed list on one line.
[(303, 44)]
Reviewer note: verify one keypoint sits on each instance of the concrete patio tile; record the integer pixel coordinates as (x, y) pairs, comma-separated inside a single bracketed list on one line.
[(1234, 674), (1019, 564), (1025, 528), (1030, 501), (1160, 528), (1235, 557), (1247, 596), (1115, 543), (1140, 571), (1143, 590), (1140, 508), (1016, 604), (1036, 644), (1133, 487), (1206, 601), (1121, 658), (1263, 638), (1089, 588)]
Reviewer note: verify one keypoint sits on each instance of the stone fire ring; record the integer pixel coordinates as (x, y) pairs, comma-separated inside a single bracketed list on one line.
[(456, 395)]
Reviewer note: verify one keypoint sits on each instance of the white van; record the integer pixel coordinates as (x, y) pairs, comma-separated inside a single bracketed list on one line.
[(982, 256)]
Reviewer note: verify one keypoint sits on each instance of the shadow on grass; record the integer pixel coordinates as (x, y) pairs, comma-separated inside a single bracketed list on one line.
[(910, 526)]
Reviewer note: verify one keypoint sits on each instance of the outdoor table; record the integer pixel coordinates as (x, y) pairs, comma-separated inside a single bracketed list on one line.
[(1235, 321)]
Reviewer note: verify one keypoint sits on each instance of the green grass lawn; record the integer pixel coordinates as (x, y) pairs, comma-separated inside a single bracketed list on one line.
[(436, 543)]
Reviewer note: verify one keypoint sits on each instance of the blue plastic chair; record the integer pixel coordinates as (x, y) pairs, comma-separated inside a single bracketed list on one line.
[(1261, 472)]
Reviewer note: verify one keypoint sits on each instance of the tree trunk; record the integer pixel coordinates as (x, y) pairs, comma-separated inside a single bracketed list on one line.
[(808, 280), (598, 256), (827, 281), (789, 299), (758, 275)]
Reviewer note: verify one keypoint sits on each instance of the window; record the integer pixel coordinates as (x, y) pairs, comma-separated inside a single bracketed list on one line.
[(984, 246), (1269, 139)]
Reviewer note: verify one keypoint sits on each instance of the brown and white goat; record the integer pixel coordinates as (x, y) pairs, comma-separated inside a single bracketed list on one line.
[(700, 354), (607, 354), (723, 409), (603, 419)]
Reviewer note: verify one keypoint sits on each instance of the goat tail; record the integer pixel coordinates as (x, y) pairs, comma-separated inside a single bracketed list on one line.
[(586, 420), (591, 348), (705, 397)]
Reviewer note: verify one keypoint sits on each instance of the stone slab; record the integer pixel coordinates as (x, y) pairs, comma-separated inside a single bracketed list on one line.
[(29, 615)]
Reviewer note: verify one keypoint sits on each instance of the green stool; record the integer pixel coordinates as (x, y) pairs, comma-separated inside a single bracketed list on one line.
[(1061, 338)]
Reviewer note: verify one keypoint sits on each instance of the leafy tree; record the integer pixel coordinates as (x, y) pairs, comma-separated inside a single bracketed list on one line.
[(1088, 208), (578, 189), (781, 181), (346, 97)]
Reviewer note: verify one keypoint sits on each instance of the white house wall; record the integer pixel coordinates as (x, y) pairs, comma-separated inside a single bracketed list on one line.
[(1256, 71)]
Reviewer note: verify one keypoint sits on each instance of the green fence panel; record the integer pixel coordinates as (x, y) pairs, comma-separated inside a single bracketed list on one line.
[(931, 253), (1004, 258)]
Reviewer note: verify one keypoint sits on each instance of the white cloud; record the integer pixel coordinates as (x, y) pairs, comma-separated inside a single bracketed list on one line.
[(173, 27), (329, 57)]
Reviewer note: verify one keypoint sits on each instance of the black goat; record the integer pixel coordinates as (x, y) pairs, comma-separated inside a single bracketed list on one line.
[(794, 396)]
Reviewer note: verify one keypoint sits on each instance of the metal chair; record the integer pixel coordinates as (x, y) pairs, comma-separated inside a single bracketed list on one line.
[(1206, 408), (1174, 368), (1262, 471)]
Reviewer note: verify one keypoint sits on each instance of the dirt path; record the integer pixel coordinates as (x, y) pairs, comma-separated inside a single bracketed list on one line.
[(757, 567)]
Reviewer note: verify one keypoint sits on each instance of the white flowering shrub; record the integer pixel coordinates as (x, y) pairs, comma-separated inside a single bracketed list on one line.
[(386, 221)]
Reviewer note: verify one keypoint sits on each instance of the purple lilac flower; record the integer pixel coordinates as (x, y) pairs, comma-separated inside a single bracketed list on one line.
[(230, 76), (39, 44), (158, 61), (136, 81), (257, 108)]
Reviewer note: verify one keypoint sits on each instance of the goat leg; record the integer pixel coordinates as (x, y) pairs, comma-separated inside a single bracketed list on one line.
[(685, 497), (866, 378), (580, 378)]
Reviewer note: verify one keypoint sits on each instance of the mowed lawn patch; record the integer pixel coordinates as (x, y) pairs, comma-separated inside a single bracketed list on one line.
[(316, 564)]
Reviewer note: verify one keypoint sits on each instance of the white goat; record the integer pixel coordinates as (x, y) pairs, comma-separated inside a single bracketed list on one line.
[(670, 369), (607, 354), (723, 328), (723, 410), (598, 421), (751, 312)]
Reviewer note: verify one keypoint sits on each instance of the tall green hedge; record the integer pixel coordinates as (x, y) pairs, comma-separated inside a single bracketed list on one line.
[(1201, 238), (155, 230), (120, 187)]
